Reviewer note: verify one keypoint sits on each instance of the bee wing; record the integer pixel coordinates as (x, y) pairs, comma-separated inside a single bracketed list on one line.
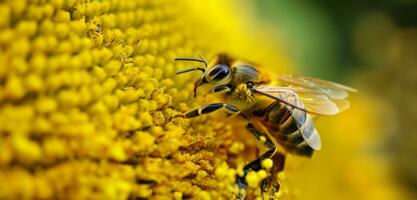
[(315, 101), (320, 96), (331, 89), (301, 117)]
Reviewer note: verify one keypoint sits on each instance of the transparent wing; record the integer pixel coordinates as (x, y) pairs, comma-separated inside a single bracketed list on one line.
[(315, 101), (333, 90), (319, 96)]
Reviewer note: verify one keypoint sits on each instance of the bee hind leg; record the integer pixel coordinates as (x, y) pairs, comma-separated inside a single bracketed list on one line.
[(256, 165), (260, 136), (271, 183)]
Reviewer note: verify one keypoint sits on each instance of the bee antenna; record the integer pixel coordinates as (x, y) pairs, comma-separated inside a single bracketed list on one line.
[(201, 59), (190, 69), (204, 60)]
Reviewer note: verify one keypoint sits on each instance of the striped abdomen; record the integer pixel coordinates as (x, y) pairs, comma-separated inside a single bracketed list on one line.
[(293, 128)]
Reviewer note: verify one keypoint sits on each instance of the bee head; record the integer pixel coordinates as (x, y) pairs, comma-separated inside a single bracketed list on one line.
[(220, 74), (217, 75)]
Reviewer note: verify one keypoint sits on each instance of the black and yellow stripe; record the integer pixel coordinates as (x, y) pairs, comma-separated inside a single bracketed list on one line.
[(293, 128)]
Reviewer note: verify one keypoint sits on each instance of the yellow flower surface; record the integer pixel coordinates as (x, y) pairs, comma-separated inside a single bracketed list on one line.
[(87, 94)]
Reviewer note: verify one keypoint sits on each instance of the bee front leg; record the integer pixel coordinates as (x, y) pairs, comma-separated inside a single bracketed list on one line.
[(209, 109), (220, 89)]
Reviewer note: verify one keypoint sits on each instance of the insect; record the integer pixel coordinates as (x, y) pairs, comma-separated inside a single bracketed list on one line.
[(278, 115)]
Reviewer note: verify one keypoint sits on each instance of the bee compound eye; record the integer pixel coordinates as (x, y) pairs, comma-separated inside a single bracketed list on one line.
[(219, 72)]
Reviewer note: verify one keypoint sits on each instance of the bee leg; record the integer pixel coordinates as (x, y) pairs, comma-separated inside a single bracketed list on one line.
[(252, 166), (261, 137), (271, 183), (209, 109), (256, 164), (220, 89)]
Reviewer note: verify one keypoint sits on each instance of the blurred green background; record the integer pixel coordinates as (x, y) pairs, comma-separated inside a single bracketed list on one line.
[(371, 45), (323, 35)]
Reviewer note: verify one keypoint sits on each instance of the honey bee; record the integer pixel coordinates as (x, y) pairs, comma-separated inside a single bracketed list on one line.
[(278, 115)]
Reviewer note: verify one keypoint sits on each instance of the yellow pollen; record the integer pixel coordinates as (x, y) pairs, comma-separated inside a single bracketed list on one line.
[(88, 95), (262, 139), (267, 163)]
